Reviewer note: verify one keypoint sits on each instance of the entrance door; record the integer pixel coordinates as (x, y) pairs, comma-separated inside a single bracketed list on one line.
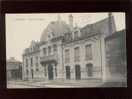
[(77, 72), (68, 75), (50, 72)]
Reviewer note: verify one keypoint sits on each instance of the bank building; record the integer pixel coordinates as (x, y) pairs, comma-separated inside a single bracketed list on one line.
[(67, 52)]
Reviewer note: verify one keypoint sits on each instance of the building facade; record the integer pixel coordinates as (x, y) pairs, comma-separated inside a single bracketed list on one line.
[(116, 63), (14, 69), (68, 52)]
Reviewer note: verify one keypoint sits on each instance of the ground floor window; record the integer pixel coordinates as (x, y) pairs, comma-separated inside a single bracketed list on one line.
[(45, 71), (56, 71), (89, 69), (32, 73)]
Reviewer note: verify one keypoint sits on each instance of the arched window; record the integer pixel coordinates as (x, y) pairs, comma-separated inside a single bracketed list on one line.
[(89, 69)]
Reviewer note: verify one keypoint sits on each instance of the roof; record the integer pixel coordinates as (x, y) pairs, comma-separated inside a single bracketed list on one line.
[(56, 28), (121, 33), (99, 27), (13, 60)]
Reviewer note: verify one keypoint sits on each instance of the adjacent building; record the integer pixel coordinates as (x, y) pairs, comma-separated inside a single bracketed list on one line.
[(68, 52), (116, 63), (14, 69)]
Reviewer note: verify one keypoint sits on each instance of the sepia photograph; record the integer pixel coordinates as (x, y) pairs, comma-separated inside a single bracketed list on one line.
[(66, 50)]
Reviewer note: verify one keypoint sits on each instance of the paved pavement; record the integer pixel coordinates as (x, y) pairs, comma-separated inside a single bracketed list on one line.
[(52, 84)]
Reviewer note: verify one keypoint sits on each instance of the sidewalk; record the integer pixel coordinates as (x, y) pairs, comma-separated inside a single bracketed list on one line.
[(54, 84)]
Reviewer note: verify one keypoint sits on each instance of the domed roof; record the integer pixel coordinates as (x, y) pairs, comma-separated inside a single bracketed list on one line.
[(55, 28)]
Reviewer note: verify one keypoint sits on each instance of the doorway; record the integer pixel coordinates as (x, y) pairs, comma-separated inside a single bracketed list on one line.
[(68, 74), (50, 72), (77, 72)]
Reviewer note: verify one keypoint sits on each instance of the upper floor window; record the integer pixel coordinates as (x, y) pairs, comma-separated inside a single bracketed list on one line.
[(67, 56), (76, 35), (49, 49), (36, 60), (26, 62), (31, 61), (37, 69), (44, 51), (55, 47), (68, 36), (88, 51), (76, 54), (27, 72)]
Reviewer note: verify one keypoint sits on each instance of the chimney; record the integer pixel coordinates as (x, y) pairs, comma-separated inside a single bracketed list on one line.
[(110, 22), (71, 21)]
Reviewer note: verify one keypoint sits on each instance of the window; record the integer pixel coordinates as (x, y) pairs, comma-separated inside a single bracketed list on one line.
[(68, 36), (88, 51), (45, 71), (49, 50), (67, 56), (44, 51), (31, 61), (89, 68), (76, 35), (32, 73), (36, 61), (56, 71), (26, 62), (55, 47), (37, 69), (76, 54), (27, 72)]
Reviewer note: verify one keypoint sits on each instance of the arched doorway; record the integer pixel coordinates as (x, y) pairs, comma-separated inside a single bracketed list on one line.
[(89, 68), (50, 72), (77, 72), (68, 74)]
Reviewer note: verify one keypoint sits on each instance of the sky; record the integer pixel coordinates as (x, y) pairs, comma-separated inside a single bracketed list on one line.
[(21, 29)]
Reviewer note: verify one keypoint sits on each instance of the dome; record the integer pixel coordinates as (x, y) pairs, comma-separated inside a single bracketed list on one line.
[(55, 29)]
